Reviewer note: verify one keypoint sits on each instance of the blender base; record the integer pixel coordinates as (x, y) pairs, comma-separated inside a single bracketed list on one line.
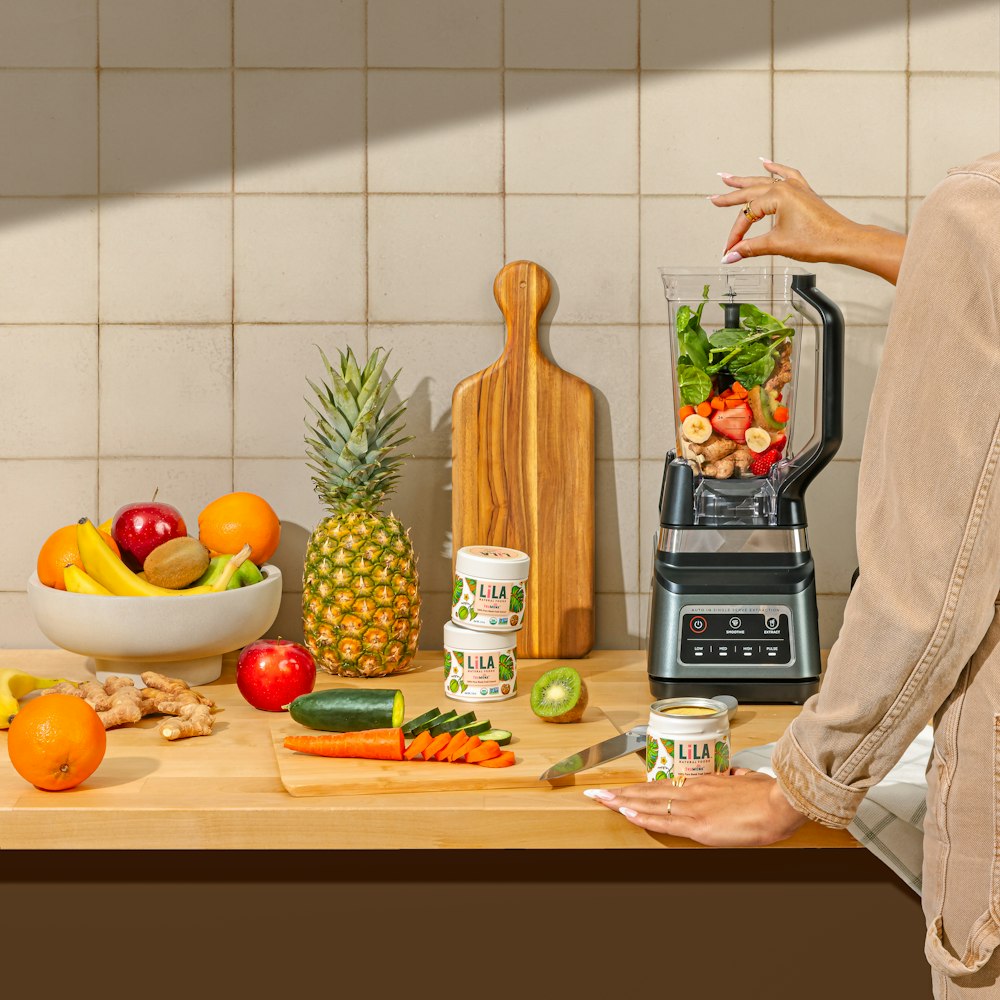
[(744, 691)]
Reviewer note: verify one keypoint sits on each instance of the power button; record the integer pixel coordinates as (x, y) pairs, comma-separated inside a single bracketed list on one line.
[(698, 624)]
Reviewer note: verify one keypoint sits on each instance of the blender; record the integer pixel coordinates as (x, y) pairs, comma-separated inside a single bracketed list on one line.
[(733, 605)]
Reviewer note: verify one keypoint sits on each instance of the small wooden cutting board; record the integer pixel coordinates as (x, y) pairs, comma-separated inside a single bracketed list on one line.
[(523, 471), (537, 746)]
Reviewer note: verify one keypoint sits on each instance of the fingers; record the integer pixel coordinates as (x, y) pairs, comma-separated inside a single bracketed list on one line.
[(782, 171), (740, 771), (673, 825), (757, 193), (744, 182)]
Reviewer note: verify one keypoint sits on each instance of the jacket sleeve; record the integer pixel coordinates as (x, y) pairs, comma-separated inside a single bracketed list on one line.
[(928, 522)]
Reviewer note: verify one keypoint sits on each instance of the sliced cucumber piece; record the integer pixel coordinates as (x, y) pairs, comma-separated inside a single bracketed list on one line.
[(478, 728), (453, 725), (412, 727), (436, 721), (500, 736)]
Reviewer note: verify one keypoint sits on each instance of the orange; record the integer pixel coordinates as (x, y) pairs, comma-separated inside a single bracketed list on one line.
[(59, 551), (56, 741), (237, 519)]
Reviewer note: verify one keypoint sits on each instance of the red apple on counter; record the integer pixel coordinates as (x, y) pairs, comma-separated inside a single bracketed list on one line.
[(271, 673), (138, 528)]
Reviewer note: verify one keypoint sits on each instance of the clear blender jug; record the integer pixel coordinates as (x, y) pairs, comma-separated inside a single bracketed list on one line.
[(736, 341)]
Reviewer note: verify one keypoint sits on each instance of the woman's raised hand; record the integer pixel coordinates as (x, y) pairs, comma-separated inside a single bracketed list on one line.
[(805, 227)]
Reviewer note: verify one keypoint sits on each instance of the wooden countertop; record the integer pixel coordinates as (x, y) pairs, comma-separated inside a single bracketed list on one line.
[(223, 791)]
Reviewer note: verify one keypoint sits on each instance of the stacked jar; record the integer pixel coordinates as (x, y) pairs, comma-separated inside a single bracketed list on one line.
[(487, 611)]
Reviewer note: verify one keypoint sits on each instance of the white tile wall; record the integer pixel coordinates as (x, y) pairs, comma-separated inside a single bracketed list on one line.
[(253, 178)]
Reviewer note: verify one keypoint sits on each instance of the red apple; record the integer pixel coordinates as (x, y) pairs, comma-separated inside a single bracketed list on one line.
[(272, 672), (138, 528)]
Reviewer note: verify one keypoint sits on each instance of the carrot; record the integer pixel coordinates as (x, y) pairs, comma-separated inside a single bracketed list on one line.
[(442, 754), (686, 412), (703, 410), (488, 749), (436, 744), (726, 393), (738, 390), (459, 741), (718, 403), (370, 744), (465, 748), (503, 759), (781, 414), (733, 402), (417, 746)]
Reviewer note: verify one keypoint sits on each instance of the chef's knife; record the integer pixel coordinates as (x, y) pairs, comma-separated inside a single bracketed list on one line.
[(618, 746)]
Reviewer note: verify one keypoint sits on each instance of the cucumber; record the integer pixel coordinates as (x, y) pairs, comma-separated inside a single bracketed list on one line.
[(478, 728), (349, 710), (412, 727), (436, 721), (500, 736), (453, 725)]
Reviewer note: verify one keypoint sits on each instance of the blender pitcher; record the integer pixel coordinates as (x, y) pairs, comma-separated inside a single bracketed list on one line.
[(736, 341)]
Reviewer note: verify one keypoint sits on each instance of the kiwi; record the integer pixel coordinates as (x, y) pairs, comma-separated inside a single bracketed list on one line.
[(176, 563), (559, 695)]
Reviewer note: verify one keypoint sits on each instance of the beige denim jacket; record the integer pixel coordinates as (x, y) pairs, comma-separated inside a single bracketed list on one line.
[(928, 521)]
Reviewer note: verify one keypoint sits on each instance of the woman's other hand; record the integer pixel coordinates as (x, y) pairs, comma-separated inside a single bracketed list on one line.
[(740, 809), (805, 227)]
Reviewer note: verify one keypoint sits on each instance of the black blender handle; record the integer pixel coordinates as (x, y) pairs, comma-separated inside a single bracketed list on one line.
[(805, 467)]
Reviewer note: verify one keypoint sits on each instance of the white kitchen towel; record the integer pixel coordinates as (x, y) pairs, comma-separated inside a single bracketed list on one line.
[(890, 820)]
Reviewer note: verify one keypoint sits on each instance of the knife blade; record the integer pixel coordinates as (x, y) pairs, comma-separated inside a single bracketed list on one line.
[(600, 753)]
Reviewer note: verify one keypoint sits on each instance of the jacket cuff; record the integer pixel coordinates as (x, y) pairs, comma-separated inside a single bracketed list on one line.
[(811, 791)]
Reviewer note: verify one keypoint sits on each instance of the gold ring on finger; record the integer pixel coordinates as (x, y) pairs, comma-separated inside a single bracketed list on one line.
[(670, 806), (750, 213)]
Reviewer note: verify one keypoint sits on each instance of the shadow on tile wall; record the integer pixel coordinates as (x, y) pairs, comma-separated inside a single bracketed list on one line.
[(244, 179)]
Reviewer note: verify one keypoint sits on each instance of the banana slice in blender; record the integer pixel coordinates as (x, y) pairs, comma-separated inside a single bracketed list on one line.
[(696, 428), (758, 439)]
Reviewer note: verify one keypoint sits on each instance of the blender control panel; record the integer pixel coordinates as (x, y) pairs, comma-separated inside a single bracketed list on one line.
[(754, 635)]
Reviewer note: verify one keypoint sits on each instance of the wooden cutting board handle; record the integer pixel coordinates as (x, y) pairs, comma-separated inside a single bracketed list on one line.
[(522, 292), (523, 470)]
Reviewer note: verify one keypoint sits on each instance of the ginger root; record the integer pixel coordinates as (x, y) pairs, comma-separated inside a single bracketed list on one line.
[(118, 702), (782, 373), (742, 458), (714, 449), (723, 469), (193, 720)]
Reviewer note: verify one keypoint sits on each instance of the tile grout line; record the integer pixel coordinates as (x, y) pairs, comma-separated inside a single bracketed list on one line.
[(97, 74), (906, 120), (503, 132), (232, 237), (366, 184), (638, 291)]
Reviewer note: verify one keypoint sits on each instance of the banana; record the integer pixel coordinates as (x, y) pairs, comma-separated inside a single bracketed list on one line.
[(247, 574), (78, 582), (15, 684), (696, 428), (758, 439), (109, 571)]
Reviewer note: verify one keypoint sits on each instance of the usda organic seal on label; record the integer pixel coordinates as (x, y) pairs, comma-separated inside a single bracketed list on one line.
[(687, 737), (490, 589), (479, 666)]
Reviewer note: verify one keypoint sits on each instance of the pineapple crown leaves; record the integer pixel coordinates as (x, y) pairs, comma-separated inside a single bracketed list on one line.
[(351, 441)]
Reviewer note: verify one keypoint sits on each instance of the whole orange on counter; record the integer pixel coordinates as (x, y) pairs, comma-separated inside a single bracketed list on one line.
[(238, 519), (56, 741), (59, 551)]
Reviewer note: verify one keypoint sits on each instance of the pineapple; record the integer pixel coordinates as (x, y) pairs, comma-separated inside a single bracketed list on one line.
[(360, 596)]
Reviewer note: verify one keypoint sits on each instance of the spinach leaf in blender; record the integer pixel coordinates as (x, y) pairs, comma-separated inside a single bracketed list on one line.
[(693, 385)]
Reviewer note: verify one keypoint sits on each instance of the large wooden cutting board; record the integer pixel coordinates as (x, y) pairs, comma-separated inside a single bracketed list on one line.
[(523, 470), (537, 746)]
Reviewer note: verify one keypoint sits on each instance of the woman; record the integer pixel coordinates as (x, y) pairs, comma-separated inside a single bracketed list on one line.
[(921, 632)]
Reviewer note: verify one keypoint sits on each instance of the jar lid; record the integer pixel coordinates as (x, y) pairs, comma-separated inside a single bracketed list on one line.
[(492, 562), (456, 637)]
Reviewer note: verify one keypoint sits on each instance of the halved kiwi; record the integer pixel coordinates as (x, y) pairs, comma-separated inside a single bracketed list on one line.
[(559, 695)]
